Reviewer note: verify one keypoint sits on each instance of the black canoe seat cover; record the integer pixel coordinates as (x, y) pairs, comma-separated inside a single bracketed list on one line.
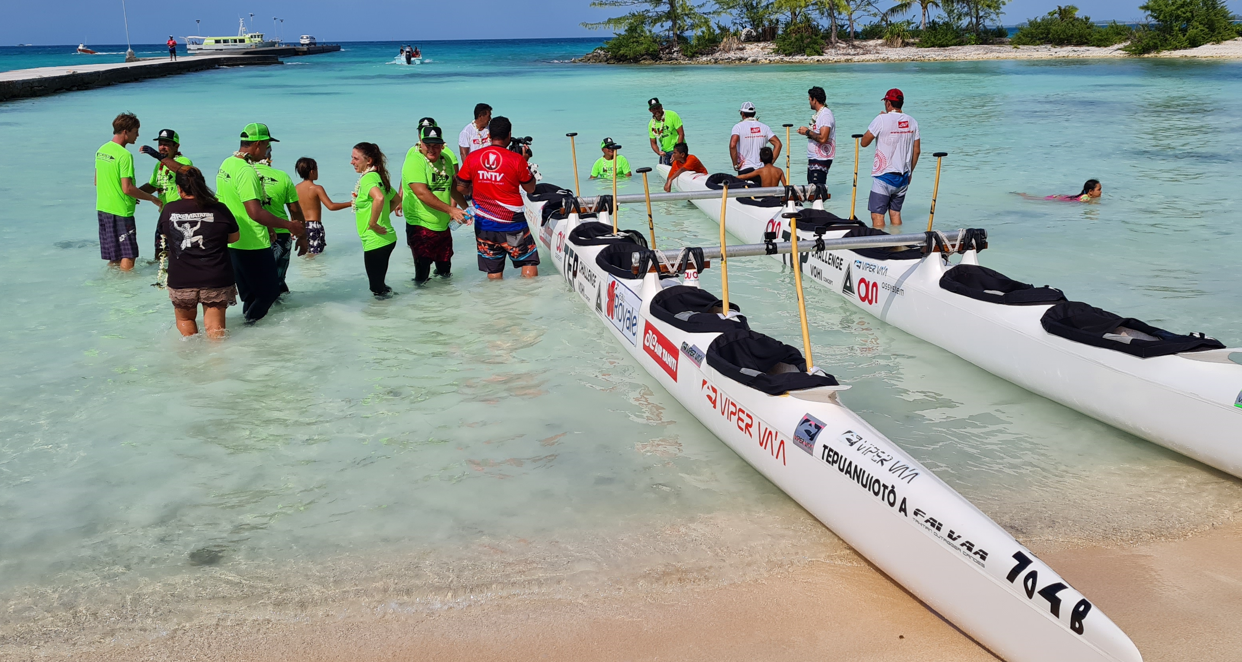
[(992, 286), (594, 233), (717, 181), (557, 214), (762, 363), (1086, 324), (690, 309), (548, 192), (882, 253), (765, 201), (819, 220), (617, 258)]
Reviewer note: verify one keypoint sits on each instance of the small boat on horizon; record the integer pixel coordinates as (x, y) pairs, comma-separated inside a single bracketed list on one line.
[(86, 51)]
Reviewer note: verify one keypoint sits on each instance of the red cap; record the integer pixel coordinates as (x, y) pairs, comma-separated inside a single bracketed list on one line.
[(893, 95)]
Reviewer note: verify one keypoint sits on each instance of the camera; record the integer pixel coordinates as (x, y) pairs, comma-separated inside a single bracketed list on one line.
[(521, 146)]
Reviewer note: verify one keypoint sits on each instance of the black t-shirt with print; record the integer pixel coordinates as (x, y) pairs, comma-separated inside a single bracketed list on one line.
[(198, 244)]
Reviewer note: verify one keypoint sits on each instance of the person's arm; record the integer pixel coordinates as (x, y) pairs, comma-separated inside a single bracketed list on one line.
[(327, 202), (776, 147), (128, 188), (269, 220), (463, 188), (681, 134), (377, 206), (295, 212), (529, 185), (733, 140), (914, 155), (397, 207), (822, 136), (234, 237), (867, 138), (656, 148), (425, 196), (753, 174)]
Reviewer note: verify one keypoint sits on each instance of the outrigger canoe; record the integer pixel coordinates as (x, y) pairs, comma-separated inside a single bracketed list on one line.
[(1181, 391), (755, 394)]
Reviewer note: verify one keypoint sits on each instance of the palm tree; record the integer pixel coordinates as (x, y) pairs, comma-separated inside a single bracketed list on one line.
[(904, 6)]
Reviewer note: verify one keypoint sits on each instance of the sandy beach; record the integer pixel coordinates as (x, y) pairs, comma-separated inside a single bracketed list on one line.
[(1178, 599), (876, 51)]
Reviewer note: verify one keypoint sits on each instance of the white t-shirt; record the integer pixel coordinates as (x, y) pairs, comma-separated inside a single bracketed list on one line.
[(473, 138), (827, 150), (895, 134), (752, 135)]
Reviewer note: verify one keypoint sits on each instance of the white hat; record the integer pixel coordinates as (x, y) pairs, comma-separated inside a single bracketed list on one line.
[(748, 107)]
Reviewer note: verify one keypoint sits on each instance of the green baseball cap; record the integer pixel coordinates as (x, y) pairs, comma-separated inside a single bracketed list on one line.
[(255, 132), (607, 143), (169, 135)]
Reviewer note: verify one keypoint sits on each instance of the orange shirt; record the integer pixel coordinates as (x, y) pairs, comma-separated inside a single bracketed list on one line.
[(691, 163)]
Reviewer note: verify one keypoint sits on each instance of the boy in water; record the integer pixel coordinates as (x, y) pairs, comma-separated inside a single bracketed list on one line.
[(767, 174), (682, 160), (310, 196)]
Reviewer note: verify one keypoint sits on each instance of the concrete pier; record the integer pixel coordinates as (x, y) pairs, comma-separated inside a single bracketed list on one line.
[(25, 83)]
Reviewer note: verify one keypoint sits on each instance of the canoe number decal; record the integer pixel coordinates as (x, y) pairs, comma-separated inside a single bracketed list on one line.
[(1031, 581), (747, 423), (661, 349)]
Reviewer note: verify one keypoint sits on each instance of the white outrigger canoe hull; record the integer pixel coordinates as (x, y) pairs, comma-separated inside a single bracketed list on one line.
[(1190, 403), (867, 490)]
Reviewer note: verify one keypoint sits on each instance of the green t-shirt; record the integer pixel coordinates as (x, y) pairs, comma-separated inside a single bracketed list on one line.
[(603, 167), (438, 177), (280, 191), (449, 154), (237, 183), (665, 132), (362, 212), (112, 164), (166, 180)]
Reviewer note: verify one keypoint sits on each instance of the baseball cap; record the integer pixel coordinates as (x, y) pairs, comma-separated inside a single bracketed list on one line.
[(169, 135), (427, 121), (893, 95), (255, 132), (607, 143), (654, 102), (433, 135), (748, 107)]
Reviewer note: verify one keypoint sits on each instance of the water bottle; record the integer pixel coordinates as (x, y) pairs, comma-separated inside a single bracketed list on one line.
[(470, 209)]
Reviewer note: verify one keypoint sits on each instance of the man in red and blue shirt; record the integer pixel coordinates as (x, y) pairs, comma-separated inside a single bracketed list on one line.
[(494, 175)]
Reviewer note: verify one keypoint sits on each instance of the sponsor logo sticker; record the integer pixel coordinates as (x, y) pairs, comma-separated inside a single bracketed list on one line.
[(1238, 402), (848, 286), (621, 308), (694, 353), (806, 432), (491, 161), (661, 349)]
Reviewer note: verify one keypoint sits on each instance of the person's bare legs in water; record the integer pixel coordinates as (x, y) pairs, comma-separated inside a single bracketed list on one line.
[(213, 320)]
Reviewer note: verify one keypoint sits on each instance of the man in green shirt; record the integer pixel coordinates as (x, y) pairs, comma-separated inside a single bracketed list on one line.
[(281, 194), (604, 166), (428, 203), (169, 163), (665, 130), (116, 196), (239, 187), (448, 153)]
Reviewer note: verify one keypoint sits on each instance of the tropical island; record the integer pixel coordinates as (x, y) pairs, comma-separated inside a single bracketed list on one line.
[(771, 31)]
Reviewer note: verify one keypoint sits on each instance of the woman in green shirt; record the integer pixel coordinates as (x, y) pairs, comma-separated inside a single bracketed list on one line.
[(374, 199)]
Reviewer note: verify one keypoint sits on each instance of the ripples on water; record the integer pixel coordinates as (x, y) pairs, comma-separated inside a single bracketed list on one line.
[(486, 439)]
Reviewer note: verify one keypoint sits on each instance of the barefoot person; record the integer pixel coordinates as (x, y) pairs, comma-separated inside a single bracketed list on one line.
[(312, 198), (428, 198), (169, 163), (821, 138), (373, 201), (198, 230), (749, 136), (683, 161), (896, 135), (116, 195), (665, 130), (767, 174), (494, 175), (282, 202), (238, 186)]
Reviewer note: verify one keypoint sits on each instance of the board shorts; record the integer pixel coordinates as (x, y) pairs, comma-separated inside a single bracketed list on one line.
[(494, 247), (209, 297), (118, 237), (428, 244), (316, 239), (887, 196), (817, 171)]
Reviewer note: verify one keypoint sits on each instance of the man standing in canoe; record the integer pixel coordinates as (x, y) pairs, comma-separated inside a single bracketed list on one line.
[(665, 130), (474, 136), (821, 138), (239, 187), (116, 195), (896, 135), (749, 136), (494, 175)]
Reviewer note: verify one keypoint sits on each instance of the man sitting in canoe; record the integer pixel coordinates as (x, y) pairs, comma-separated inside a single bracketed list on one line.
[(682, 160)]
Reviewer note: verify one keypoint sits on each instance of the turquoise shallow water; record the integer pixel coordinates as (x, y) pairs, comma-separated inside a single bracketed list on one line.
[(476, 433)]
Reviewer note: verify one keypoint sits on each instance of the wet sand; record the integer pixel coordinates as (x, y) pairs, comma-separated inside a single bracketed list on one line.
[(1178, 600)]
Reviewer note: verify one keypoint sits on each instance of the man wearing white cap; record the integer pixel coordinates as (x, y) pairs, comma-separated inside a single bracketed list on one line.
[(749, 136)]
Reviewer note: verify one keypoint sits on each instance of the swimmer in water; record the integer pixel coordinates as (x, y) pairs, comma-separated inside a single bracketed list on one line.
[(1091, 191), (311, 196)]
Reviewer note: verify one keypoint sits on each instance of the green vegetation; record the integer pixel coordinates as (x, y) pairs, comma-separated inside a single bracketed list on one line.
[(801, 37), (1064, 27), (636, 43), (1178, 24)]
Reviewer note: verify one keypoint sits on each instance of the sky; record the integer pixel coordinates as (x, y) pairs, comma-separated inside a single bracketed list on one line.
[(151, 21)]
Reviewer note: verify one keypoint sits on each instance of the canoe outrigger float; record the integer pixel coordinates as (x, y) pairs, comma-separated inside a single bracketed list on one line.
[(1183, 392), (756, 394)]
